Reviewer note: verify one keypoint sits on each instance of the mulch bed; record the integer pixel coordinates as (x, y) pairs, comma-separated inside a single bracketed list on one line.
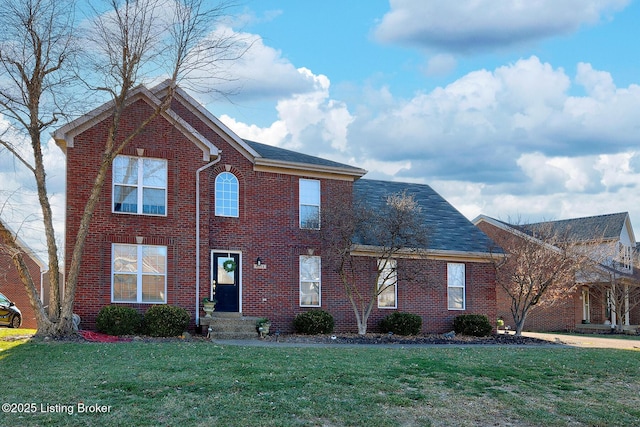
[(337, 339), (501, 339)]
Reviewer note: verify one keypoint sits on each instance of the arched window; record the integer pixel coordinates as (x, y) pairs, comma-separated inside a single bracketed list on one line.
[(227, 194)]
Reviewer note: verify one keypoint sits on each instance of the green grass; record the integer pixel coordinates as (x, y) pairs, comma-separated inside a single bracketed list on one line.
[(10, 332), (201, 383)]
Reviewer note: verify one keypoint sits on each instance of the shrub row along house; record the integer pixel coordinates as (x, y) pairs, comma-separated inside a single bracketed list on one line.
[(603, 291), (193, 211)]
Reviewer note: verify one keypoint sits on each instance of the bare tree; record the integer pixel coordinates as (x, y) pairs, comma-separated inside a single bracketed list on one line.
[(353, 232), (539, 268), (131, 42)]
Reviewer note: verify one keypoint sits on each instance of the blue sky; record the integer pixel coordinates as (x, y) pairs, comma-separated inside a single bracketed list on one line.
[(524, 110), (521, 110)]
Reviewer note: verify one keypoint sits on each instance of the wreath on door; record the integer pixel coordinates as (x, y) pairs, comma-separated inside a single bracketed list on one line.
[(229, 265)]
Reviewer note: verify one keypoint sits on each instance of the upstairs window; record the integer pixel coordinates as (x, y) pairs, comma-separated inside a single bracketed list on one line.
[(140, 185), (387, 283), (227, 195), (456, 286), (626, 253), (310, 204)]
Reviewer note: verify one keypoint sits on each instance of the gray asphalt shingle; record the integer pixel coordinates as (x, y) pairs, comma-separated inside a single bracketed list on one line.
[(608, 226), (449, 229), (276, 153)]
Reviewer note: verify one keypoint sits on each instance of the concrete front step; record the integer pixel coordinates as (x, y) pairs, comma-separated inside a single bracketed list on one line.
[(223, 325)]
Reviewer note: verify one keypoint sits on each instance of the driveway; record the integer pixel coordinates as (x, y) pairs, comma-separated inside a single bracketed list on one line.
[(587, 341)]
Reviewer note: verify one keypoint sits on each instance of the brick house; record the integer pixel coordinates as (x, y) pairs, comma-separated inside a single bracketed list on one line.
[(12, 287), (587, 307), (191, 209)]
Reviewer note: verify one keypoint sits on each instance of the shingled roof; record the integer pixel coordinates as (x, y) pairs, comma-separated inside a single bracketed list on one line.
[(449, 229), (283, 155), (592, 228)]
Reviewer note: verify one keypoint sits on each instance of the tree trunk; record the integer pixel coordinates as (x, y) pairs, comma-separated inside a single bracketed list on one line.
[(519, 319), (362, 328)]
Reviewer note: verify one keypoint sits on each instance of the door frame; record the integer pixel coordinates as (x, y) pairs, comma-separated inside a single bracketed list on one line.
[(239, 268)]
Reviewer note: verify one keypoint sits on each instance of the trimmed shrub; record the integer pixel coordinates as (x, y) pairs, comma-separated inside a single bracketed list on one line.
[(118, 320), (476, 325), (402, 323), (166, 321), (313, 322)]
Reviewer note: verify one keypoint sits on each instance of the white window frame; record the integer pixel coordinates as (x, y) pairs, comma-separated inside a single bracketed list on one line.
[(306, 282), (308, 200), (139, 186), (586, 305), (139, 273), (227, 195), (626, 254), (387, 280), (456, 279)]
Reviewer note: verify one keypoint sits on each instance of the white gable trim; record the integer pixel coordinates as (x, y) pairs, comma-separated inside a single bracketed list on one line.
[(505, 227), (214, 123), (65, 135)]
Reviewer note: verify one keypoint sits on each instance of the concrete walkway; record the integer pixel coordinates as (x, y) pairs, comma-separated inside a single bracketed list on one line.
[(587, 341)]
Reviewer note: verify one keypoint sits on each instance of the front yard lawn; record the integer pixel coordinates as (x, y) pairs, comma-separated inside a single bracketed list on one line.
[(202, 383)]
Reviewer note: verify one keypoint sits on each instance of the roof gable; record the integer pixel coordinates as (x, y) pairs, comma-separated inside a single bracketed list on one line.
[(65, 135), (450, 231), (263, 156)]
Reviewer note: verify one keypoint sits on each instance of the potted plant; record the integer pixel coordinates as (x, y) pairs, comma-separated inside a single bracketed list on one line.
[(262, 326), (209, 306)]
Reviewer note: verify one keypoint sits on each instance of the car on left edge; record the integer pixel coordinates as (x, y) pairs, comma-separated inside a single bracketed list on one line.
[(10, 315)]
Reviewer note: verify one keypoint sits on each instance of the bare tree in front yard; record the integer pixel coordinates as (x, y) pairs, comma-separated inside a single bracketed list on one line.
[(353, 232), (125, 46), (538, 270)]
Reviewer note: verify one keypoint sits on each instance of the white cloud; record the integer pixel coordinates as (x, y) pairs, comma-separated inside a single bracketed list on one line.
[(508, 142), (19, 206), (310, 121), (260, 73), (440, 65), (616, 170), (469, 25)]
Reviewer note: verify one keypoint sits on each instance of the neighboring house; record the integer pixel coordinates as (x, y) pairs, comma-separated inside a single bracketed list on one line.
[(11, 285), (190, 209), (610, 242)]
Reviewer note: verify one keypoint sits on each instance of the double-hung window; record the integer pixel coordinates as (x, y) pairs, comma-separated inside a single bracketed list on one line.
[(139, 273), (387, 283), (310, 204), (140, 185), (227, 195), (310, 285), (626, 254), (456, 286)]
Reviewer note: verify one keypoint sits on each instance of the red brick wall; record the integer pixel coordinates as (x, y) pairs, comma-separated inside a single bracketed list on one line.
[(267, 227), (426, 297), (176, 230), (11, 286)]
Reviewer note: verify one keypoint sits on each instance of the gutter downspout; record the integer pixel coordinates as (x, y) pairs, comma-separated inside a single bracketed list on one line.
[(208, 165)]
